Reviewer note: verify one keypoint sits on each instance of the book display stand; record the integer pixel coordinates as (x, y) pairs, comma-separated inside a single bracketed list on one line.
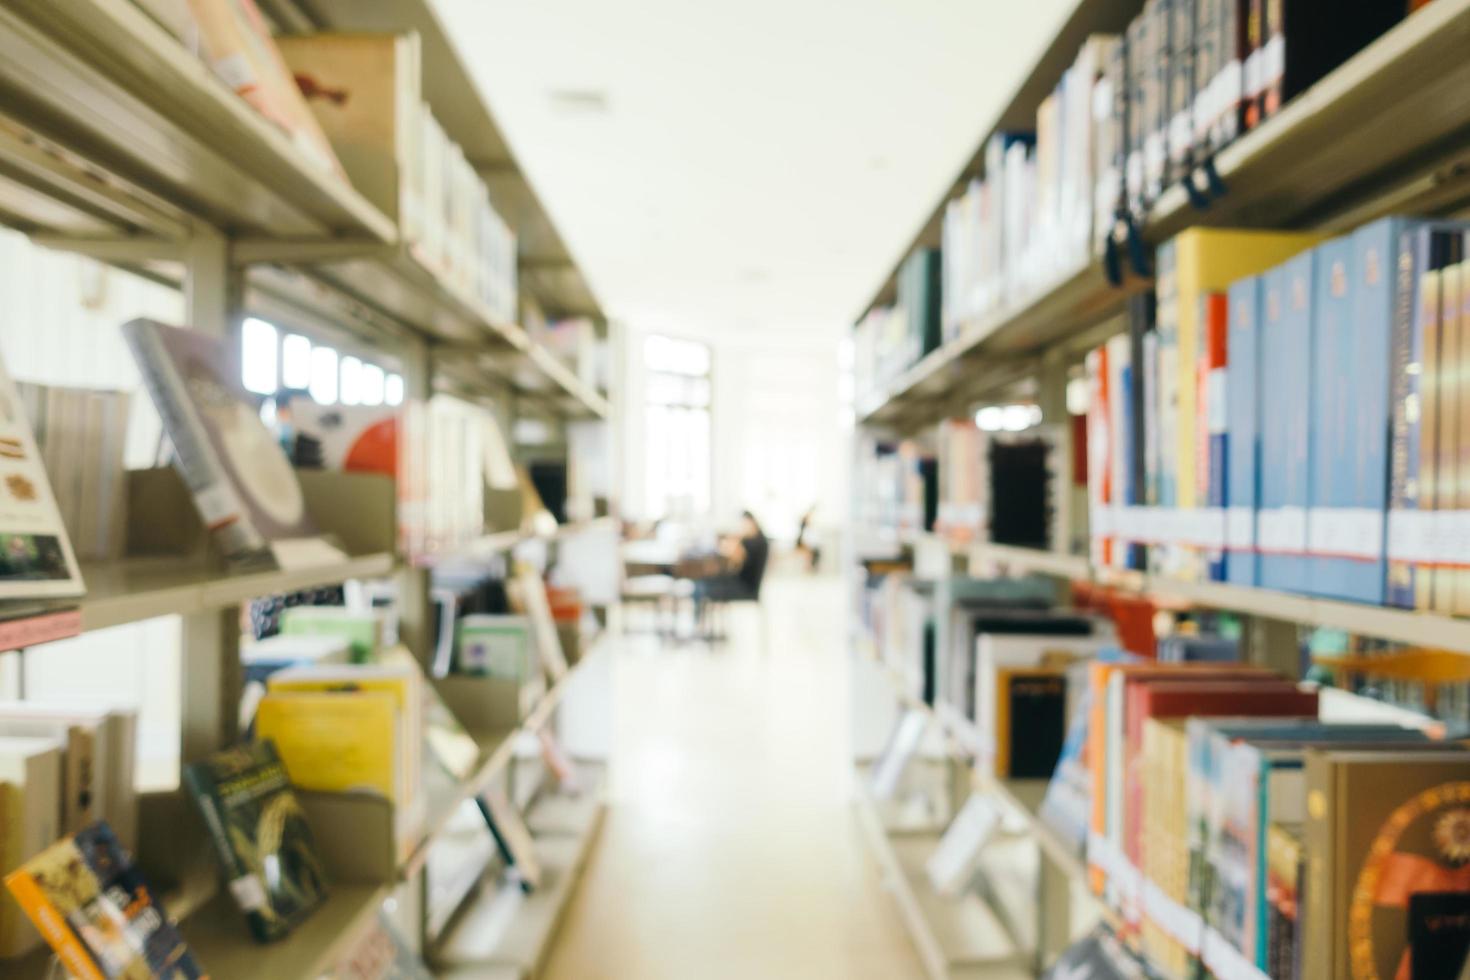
[(1378, 135), (119, 143)]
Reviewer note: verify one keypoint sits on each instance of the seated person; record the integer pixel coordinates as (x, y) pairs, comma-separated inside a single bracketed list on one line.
[(746, 555)]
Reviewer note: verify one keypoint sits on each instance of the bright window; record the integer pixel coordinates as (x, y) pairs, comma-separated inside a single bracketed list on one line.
[(295, 362), (677, 427), (351, 391), (372, 384), (393, 390), (259, 347), (323, 385)]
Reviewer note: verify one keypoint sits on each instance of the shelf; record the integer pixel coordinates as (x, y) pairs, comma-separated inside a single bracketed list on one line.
[(1388, 131), (135, 589), (993, 351), (221, 940), (957, 939), (507, 933), (445, 796), (152, 123), (1397, 625)]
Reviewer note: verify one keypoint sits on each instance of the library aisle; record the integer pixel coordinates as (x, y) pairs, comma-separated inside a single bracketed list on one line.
[(730, 848)]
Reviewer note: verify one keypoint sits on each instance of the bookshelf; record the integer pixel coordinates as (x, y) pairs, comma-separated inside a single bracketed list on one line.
[(1379, 135), (118, 143), (1385, 133)]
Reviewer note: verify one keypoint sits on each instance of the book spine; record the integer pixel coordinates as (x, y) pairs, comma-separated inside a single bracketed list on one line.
[(53, 926), (1318, 931), (1242, 398), (1255, 36), (1451, 385), (1406, 345), (1462, 462), (1428, 329), (1168, 394), (1216, 435), (1332, 442)]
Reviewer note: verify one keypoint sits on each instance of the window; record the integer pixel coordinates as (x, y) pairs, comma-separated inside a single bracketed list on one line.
[(676, 427), (270, 362)]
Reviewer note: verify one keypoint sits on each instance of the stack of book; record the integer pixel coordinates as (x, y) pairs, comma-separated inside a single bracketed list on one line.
[(1303, 426), (63, 767)]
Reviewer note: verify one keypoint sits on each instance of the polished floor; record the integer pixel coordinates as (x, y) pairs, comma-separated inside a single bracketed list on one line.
[(730, 848)]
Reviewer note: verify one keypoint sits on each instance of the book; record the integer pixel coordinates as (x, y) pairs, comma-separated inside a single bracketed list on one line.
[(1031, 718), (401, 681), (1213, 435), (493, 646), (1439, 935), (236, 42), (361, 628), (1000, 707), (1338, 534), (261, 837), (36, 557), (1304, 40), (1281, 526), (97, 912), (1380, 827), (243, 486), (114, 737), (82, 791), (345, 438), (1451, 397), (336, 743), (951, 865), (1284, 863), (31, 769)]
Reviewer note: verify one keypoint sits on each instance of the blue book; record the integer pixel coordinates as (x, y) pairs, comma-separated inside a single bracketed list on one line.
[(1242, 410), (1334, 440), (1286, 379)]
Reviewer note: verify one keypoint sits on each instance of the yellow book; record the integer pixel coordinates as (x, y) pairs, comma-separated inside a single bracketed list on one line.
[(1209, 260), (335, 743)]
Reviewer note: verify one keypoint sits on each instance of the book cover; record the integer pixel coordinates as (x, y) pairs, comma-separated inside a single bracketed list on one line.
[(1031, 721), (494, 646), (1242, 397), (83, 793), (243, 485), (1284, 862), (97, 913), (335, 743), (36, 557), (362, 629), (1381, 827), (261, 837), (345, 438), (996, 653), (1439, 934)]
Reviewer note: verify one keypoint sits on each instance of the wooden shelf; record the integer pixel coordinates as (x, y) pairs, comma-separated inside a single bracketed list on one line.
[(1388, 131), (153, 124), (221, 940), (135, 589)]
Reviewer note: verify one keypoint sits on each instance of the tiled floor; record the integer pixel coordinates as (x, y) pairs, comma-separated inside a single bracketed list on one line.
[(730, 848)]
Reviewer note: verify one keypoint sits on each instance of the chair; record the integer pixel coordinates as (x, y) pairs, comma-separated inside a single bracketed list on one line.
[(719, 598)]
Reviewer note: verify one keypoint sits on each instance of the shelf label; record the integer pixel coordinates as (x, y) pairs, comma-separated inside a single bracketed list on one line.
[(1411, 536), (1348, 532), (1224, 960), (1282, 530), (1183, 924)]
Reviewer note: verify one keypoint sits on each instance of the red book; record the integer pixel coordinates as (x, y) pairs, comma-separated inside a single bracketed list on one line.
[(1172, 697)]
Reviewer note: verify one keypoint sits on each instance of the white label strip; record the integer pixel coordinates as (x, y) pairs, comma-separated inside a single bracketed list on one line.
[(1282, 530), (1350, 532), (1411, 536), (1183, 924), (1240, 528), (1224, 960)]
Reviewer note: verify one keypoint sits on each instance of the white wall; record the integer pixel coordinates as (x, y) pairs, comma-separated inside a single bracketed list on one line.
[(777, 442)]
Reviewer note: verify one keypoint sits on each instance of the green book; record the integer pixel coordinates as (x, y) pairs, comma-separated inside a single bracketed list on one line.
[(260, 835), (494, 646), (363, 631)]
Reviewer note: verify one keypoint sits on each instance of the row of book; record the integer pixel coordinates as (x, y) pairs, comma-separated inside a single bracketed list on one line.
[(962, 483), (352, 104), (1135, 114), (1293, 418)]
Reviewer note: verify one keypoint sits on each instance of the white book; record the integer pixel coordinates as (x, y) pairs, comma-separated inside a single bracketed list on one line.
[(902, 744), (32, 765)]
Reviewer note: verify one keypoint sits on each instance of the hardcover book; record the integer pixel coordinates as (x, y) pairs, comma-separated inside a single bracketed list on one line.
[(31, 780), (97, 912), (243, 485), (261, 837), (1381, 827)]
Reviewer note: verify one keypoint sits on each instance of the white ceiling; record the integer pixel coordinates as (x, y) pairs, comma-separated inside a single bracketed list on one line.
[(757, 164)]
